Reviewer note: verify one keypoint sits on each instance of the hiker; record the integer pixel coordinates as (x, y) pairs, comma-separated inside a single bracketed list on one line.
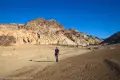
[(56, 54)]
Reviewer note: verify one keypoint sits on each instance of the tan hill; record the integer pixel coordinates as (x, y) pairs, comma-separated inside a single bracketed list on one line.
[(41, 31), (80, 38), (11, 26), (115, 38)]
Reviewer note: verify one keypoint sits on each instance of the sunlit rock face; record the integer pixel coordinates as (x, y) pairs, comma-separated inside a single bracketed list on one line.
[(41, 31)]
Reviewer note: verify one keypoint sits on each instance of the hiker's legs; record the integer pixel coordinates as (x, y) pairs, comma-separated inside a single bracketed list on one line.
[(56, 58)]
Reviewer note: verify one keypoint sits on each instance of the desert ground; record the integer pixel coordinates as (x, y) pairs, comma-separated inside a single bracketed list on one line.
[(25, 58), (37, 62)]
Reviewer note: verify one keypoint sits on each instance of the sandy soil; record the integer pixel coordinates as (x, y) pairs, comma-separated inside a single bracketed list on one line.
[(102, 64), (38, 63), (30, 59)]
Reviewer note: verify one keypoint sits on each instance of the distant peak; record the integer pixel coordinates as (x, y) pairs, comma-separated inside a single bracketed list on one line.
[(53, 21), (118, 32), (39, 20)]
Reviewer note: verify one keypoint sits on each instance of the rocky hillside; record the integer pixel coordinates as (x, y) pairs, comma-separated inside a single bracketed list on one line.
[(41, 31), (80, 38), (115, 38), (11, 26)]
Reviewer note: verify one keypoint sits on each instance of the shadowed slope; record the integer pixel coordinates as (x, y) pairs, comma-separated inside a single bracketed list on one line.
[(115, 38)]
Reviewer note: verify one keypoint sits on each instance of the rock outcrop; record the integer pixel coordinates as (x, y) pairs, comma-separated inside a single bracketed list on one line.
[(41, 31), (11, 26), (81, 38)]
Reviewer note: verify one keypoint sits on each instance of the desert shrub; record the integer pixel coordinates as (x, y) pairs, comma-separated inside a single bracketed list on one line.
[(95, 47), (89, 48), (92, 48)]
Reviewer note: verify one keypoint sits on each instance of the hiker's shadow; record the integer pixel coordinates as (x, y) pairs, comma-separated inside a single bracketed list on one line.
[(44, 61), (41, 61)]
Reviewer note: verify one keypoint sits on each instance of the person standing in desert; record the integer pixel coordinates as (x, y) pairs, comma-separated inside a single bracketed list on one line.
[(56, 54)]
